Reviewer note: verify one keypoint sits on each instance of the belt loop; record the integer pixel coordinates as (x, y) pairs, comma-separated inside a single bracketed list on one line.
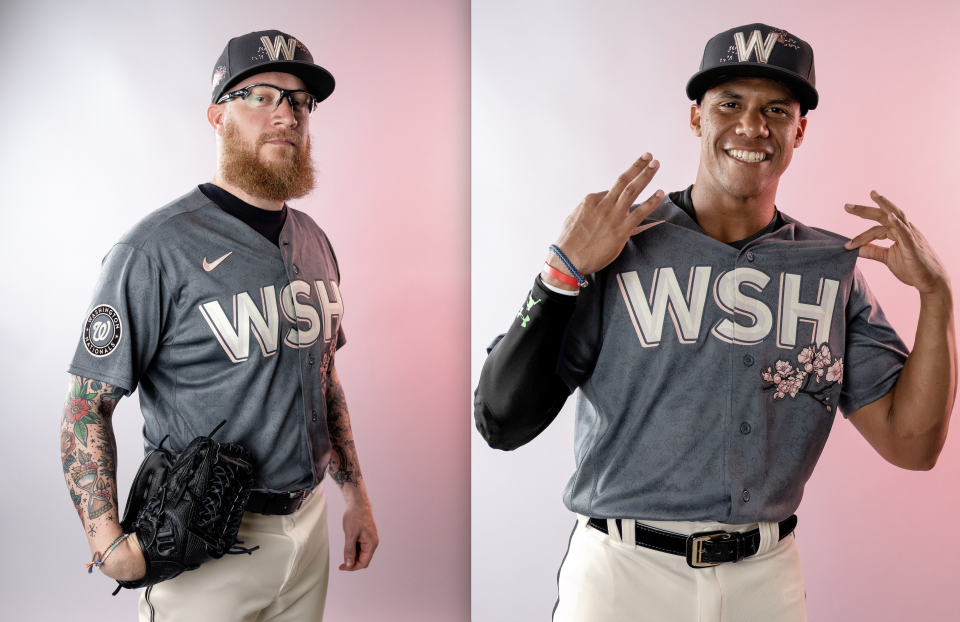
[(629, 533), (769, 537), (613, 530)]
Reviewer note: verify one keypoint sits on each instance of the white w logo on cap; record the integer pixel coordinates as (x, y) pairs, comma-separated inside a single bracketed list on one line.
[(745, 48), (278, 46)]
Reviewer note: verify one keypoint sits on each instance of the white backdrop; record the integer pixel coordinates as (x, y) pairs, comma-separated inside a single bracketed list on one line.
[(104, 121), (565, 95)]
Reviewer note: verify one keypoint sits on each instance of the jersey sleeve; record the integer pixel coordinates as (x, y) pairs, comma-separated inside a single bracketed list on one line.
[(125, 321), (341, 336), (874, 353), (519, 393)]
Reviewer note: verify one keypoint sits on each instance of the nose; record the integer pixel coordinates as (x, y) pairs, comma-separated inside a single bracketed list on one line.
[(752, 124), (283, 114)]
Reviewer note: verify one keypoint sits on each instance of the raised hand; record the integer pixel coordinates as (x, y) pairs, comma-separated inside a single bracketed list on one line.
[(910, 258), (598, 229)]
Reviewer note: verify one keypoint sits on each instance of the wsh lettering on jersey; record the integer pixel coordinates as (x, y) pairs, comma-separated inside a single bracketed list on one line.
[(648, 311), (295, 302)]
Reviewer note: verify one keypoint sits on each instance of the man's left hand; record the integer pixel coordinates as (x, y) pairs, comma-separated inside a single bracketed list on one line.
[(360, 535), (911, 258)]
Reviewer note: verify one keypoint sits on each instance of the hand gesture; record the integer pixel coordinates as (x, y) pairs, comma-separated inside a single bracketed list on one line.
[(910, 258), (360, 536), (598, 229)]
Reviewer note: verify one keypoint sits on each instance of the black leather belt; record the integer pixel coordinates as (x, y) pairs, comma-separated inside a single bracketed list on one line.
[(704, 548), (279, 503)]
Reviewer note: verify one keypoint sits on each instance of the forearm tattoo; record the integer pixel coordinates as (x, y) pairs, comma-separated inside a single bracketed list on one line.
[(88, 450), (344, 465)]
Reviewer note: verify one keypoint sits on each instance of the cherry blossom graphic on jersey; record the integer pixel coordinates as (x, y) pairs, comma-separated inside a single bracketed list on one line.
[(815, 374)]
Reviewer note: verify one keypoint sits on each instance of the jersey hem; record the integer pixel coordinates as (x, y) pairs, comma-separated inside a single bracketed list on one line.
[(865, 401)]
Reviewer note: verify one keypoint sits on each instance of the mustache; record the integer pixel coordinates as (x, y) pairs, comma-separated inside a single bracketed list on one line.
[(288, 135)]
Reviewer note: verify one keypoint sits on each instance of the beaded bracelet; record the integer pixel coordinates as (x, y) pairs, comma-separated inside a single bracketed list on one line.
[(559, 253), (98, 559)]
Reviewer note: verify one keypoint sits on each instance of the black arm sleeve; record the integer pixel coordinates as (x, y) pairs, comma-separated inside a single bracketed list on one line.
[(520, 393)]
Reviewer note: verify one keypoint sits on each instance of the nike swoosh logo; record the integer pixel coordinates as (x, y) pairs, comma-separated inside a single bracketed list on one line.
[(210, 266)]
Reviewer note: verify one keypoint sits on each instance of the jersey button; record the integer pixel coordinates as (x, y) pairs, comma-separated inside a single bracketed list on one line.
[(750, 256), (310, 359), (746, 495), (314, 415), (744, 428), (748, 360)]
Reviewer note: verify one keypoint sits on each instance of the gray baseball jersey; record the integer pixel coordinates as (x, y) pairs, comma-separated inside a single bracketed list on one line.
[(709, 377), (212, 321)]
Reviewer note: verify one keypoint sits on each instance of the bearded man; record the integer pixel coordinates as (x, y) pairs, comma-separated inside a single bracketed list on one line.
[(172, 313)]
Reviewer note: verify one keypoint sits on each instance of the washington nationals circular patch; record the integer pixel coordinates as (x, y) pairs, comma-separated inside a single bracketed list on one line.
[(102, 331)]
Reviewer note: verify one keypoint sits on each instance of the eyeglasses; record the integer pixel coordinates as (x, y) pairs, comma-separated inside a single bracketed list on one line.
[(267, 96)]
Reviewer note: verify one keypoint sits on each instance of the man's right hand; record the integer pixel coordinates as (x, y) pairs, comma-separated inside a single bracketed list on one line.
[(598, 229), (126, 562)]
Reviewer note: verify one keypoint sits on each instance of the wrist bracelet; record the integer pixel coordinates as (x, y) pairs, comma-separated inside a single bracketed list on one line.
[(582, 282), (98, 559), (560, 276)]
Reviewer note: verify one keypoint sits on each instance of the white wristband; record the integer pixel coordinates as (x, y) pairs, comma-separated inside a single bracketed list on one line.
[(565, 292)]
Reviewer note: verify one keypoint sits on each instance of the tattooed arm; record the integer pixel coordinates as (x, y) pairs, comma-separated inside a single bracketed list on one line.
[(358, 526), (88, 450)]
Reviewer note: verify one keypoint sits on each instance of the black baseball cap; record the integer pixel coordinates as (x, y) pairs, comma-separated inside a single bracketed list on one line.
[(268, 50), (758, 51)]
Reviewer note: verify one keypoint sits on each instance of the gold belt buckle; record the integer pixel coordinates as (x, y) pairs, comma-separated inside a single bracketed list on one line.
[(695, 547)]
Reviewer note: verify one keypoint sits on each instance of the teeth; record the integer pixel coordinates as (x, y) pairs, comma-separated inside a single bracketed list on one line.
[(747, 156)]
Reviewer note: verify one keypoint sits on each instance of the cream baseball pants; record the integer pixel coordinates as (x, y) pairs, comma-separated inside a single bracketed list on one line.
[(606, 578), (285, 580)]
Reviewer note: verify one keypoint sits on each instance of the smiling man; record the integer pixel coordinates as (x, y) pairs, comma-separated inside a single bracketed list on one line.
[(225, 306), (713, 340)]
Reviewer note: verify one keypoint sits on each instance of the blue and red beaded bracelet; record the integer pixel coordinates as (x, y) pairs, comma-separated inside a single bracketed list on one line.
[(580, 281)]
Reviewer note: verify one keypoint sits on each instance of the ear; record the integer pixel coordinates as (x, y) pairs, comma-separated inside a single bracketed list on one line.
[(215, 114), (695, 119), (801, 129)]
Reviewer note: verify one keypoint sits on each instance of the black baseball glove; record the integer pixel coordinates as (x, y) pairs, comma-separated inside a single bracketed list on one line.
[(186, 508)]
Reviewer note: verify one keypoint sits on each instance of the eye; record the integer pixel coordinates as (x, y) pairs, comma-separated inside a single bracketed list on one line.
[(260, 96)]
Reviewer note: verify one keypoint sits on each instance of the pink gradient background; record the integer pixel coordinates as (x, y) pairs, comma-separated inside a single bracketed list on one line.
[(565, 96), (91, 146)]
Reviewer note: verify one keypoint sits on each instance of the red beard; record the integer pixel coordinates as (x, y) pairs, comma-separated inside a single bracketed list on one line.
[(240, 165)]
